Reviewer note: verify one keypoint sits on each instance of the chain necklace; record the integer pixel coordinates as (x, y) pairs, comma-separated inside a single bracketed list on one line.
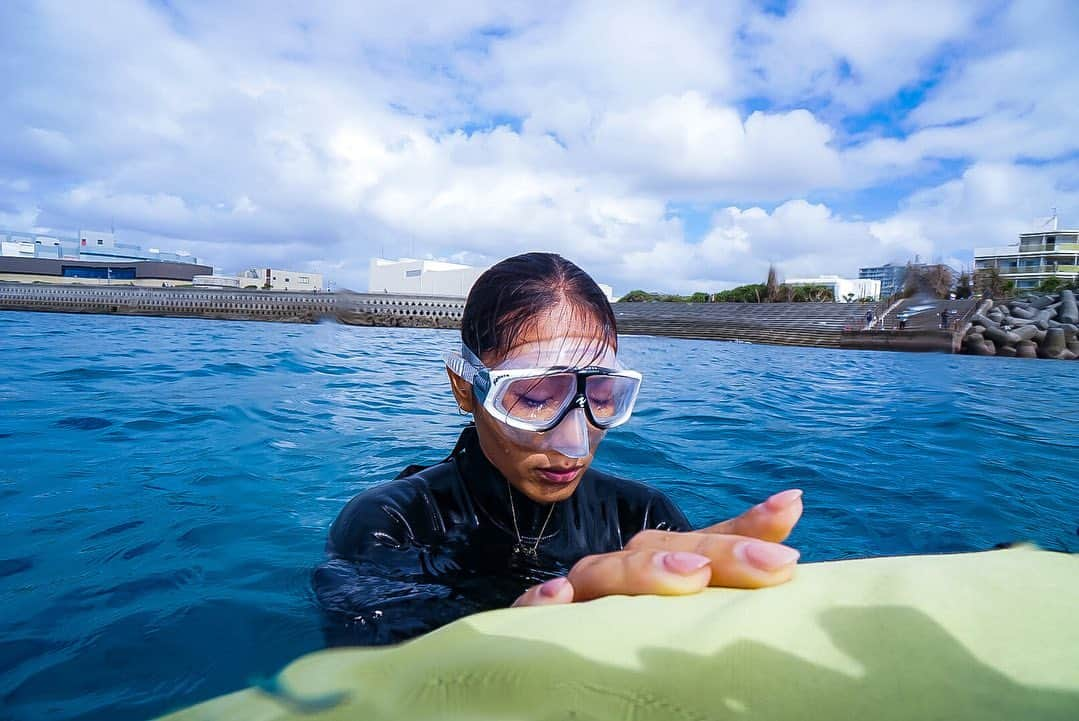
[(519, 548)]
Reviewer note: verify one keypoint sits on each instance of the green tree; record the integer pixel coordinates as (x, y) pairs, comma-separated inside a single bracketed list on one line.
[(989, 283), (963, 286), (933, 280), (1051, 284), (699, 298), (637, 296)]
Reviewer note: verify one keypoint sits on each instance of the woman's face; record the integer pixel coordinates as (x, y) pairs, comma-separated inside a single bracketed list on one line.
[(542, 474)]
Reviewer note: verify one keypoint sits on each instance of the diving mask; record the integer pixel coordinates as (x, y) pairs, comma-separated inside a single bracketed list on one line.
[(554, 404)]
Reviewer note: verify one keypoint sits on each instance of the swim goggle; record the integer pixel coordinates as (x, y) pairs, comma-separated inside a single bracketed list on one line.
[(538, 399)]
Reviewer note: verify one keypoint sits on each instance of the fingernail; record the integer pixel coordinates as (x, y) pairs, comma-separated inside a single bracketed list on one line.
[(784, 498), (551, 588), (682, 562), (766, 556)]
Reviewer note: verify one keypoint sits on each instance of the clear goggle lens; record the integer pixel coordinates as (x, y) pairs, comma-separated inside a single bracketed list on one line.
[(538, 401)]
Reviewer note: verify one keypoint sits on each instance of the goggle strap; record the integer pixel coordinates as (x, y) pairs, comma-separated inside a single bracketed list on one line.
[(470, 357), (460, 366)]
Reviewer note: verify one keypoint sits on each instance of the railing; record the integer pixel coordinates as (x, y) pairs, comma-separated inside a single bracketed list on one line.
[(1026, 249), (1030, 269)]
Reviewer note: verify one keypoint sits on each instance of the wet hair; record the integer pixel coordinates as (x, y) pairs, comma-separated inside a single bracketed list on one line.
[(510, 294)]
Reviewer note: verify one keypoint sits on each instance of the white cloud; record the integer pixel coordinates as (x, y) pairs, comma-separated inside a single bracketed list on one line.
[(686, 147), (321, 135), (562, 74), (851, 52)]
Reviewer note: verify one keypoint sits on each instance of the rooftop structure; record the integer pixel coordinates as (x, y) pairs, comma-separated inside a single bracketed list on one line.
[(88, 245), (844, 290), (1038, 256)]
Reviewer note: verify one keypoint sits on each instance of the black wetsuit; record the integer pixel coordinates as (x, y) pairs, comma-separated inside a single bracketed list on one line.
[(438, 543)]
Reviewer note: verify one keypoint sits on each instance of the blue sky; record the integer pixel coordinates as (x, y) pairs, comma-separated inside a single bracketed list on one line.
[(679, 147)]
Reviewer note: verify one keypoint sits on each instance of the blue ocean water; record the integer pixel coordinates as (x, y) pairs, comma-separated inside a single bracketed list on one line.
[(166, 484)]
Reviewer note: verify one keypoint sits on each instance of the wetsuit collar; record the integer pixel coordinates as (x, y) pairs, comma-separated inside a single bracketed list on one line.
[(488, 488)]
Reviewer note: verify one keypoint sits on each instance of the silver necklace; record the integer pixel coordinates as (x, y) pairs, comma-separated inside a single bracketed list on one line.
[(519, 548)]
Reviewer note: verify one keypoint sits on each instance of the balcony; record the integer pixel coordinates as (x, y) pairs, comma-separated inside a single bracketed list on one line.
[(1017, 250), (1038, 269)]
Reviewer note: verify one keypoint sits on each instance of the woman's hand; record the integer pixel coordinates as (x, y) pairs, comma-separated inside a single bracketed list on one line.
[(744, 552)]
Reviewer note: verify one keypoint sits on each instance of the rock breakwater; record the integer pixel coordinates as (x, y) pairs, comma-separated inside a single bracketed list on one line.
[(1040, 326)]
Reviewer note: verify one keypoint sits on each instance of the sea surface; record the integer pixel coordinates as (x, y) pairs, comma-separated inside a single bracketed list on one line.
[(166, 484)]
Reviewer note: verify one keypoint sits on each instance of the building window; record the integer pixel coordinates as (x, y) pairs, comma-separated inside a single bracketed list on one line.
[(100, 241)]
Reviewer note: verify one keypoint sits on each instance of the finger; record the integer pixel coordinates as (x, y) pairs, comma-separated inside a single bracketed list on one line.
[(639, 572), (550, 593), (736, 561), (772, 520)]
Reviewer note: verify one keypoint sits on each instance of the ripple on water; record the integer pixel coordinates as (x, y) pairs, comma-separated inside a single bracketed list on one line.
[(166, 558), (83, 423), (11, 566)]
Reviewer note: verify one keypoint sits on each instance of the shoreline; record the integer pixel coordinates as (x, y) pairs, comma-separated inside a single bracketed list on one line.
[(820, 325)]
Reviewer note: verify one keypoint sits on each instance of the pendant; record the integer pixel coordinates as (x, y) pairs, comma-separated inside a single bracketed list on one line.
[(520, 550)]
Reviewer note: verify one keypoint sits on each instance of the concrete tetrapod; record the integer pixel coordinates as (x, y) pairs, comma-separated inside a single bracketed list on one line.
[(1026, 349), (1038, 326), (1026, 332), (997, 334), (1041, 301), (974, 343), (1069, 311), (1053, 344)]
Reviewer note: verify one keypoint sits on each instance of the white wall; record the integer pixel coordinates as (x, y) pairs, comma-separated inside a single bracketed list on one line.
[(280, 279), (841, 287), (90, 239), (421, 277)]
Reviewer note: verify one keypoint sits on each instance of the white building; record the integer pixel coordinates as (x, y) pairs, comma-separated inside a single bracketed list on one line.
[(421, 277), (278, 279), (843, 289), (1037, 257), (430, 277)]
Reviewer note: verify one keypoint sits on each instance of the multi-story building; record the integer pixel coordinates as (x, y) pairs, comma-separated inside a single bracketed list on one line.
[(892, 276), (1035, 258), (90, 258)]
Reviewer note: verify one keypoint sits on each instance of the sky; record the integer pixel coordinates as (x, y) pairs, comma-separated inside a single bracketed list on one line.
[(674, 147)]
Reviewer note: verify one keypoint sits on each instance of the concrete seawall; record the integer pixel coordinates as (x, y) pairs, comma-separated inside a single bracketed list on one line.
[(235, 304), (918, 341), (829, 325)]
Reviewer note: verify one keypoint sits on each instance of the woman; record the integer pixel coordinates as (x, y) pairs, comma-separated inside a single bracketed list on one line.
[(515, 515)]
